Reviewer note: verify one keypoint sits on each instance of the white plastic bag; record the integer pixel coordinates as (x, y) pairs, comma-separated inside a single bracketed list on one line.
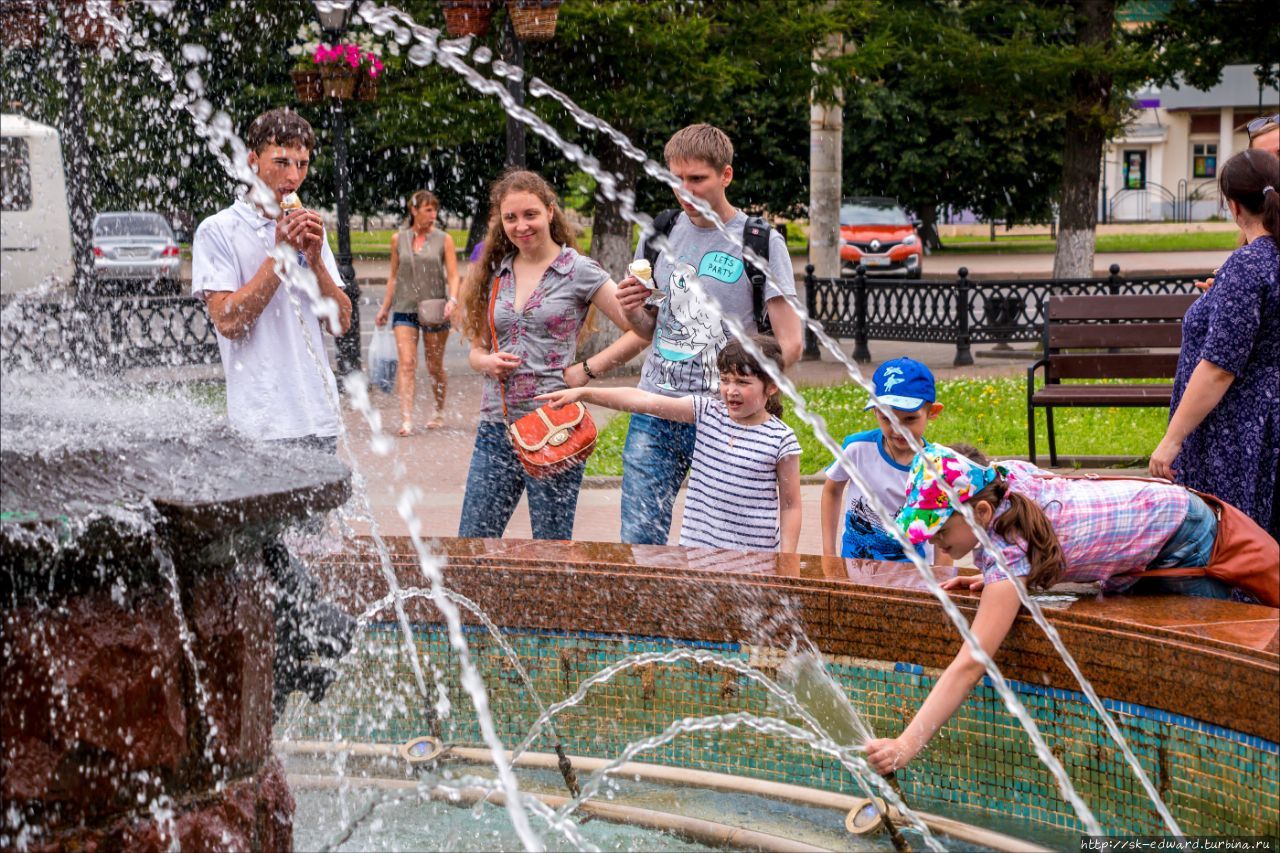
[(383, 359)]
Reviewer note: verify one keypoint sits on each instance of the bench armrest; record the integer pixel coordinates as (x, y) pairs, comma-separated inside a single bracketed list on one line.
[(1031, 372)]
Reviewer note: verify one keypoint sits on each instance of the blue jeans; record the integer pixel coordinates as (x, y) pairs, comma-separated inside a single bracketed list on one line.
[(1191, 545), (655, 461), (496, 481)]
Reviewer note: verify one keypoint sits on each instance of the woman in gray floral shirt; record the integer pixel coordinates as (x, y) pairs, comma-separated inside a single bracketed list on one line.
[(545, 289)]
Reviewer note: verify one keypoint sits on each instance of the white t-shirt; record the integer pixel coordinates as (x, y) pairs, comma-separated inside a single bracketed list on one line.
[(864, 535), (275, 388), (732, 500)]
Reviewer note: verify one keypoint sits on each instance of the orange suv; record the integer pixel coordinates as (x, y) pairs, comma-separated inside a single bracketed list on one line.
[(877, 233)]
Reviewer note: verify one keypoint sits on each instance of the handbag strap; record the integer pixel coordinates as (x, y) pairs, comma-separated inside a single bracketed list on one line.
[(493, 341), (1189, 572)]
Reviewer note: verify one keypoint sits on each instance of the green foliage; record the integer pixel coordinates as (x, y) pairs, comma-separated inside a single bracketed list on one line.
[(989, 413), (1195, 39)]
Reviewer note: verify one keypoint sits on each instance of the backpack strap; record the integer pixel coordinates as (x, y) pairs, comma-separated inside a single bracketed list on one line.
[(662, 224), (755, 236)]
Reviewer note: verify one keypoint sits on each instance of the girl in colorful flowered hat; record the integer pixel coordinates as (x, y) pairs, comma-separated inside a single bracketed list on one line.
[(1048, 529)]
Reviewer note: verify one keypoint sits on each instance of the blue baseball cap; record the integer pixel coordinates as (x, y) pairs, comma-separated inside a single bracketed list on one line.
[(903, 383)]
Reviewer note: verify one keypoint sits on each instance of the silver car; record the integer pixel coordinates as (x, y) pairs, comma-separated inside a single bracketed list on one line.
[(135, 252)]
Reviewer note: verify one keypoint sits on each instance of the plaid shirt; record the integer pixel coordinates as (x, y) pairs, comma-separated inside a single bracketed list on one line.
[(1105, 527)]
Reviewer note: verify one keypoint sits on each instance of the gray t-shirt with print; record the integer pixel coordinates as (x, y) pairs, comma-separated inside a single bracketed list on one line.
[(689, 335), (544, 333)]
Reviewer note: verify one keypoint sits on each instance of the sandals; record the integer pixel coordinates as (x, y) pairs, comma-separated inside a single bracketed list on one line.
[(436, 422), (406, 429)]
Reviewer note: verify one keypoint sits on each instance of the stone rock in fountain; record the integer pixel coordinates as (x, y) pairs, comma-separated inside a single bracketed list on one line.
[(109, 738)]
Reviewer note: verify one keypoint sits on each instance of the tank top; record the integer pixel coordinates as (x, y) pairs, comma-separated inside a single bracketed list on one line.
[(420, 274)]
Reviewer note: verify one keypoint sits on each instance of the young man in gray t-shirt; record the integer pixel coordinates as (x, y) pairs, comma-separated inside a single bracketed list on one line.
[(687, 332)]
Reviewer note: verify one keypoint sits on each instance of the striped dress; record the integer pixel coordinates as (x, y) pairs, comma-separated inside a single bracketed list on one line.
[(732, 500)]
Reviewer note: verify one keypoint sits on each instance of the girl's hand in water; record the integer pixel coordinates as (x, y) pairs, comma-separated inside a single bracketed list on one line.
[(556, 399), (972, 583), (888, 755), (498, 365)]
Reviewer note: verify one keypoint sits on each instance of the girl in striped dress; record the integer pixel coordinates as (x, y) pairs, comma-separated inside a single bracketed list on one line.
[(744, 485)]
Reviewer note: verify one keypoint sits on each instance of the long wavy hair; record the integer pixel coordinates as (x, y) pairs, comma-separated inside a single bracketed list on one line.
[(479, 280), (1025, 521)]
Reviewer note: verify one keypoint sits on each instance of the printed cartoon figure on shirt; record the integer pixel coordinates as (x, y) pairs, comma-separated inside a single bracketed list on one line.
[(687, 325)]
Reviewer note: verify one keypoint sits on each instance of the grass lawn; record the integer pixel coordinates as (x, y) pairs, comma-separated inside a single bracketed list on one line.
[(1189, 241), (990, 413)]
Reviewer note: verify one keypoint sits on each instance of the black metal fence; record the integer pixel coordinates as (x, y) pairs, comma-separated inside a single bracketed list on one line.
[(107, 334), (963, 311)]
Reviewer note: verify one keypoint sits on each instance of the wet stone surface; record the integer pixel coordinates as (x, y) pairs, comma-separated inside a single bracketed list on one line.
[(132, 536)]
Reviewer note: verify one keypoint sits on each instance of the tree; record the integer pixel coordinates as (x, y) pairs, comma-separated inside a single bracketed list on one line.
[(950, 111)]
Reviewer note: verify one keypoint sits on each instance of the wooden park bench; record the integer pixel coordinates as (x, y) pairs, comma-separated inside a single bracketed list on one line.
[(1105, 337)]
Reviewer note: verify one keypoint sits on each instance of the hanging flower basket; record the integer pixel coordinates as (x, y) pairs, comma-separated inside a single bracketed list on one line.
[(21, 24), (87, 29), (338, 81), (366, 88), (467, 17), (307, 85), (534, 20)]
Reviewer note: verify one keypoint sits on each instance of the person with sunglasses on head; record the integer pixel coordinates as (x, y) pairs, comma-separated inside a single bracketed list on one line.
[(1264, 135)]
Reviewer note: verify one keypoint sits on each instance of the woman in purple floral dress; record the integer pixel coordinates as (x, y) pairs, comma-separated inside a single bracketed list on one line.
[(1224, 426), (545, 289)]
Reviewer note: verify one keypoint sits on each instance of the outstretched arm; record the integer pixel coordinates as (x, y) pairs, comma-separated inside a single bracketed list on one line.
[(997, 609), (626, 400)]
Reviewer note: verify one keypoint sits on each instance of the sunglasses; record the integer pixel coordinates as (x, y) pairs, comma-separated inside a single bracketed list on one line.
[(1262, 121)]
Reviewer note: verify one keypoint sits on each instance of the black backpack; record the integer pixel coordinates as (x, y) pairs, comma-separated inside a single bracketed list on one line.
[(755, 236)]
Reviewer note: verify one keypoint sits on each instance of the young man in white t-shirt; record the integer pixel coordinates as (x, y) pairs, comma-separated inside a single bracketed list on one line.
[(279, 383), (883, 459)]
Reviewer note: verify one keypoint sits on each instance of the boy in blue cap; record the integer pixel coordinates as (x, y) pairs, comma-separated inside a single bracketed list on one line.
[(883, 458)]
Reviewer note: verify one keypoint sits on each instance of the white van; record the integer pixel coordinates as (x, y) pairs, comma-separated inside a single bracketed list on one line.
[(35, 226)]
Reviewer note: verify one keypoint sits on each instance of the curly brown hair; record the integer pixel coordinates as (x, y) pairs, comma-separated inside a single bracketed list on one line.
[(480, 275)]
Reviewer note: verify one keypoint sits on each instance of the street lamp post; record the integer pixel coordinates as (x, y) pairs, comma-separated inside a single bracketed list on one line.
[(334, 17), (515, 130)]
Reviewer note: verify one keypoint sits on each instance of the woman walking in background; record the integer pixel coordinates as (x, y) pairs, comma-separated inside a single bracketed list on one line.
[(1224, 427), (424, 272)]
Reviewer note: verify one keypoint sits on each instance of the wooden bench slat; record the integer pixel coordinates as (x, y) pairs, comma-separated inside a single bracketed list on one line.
[(1103, 395), (1113, 365), (1066, 336), (1165, 306)]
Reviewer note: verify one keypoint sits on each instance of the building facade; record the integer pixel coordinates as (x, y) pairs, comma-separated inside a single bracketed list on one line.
[(1164, 166)]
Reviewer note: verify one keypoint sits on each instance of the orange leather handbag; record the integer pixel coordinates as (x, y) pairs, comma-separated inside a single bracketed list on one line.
[(547, 441)]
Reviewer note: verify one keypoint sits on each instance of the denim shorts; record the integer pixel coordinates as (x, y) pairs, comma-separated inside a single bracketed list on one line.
[(1190, 546), (400, 318)]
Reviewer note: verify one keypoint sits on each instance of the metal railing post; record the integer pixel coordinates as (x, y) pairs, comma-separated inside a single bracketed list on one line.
[(964, 356), (811, 352), (861, 352), (1114, 281)]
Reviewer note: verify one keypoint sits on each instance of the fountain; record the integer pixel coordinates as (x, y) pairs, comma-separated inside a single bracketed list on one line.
[(139, 646), (138, 626)]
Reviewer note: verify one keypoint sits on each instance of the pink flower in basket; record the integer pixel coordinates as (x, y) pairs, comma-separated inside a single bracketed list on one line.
[(350, 54)]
